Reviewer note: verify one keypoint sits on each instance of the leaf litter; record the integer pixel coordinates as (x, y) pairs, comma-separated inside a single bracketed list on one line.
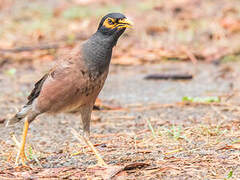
[(181, 140)]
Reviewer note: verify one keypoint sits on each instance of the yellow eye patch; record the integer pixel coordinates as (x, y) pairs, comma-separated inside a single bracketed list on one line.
[(109, 23)]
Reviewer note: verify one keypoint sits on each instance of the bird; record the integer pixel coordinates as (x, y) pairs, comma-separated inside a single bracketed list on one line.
[(75, 80)]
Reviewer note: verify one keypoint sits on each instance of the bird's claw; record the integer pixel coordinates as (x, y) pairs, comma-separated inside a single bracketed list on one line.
[(21, 154)]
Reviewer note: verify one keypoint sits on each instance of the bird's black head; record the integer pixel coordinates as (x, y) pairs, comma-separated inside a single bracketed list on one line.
[(114, 24), (97, 50)]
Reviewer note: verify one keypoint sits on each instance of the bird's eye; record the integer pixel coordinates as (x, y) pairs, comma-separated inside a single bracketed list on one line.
[(110, 22)]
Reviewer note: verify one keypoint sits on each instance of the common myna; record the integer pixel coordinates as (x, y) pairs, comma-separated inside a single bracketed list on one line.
[(76, 80)]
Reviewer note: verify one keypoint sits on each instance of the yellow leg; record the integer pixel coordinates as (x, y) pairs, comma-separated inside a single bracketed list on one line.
[(91, 146), (95, 151), (21, 153)]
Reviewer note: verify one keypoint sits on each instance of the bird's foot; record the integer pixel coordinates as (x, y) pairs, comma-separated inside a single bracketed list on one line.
[(21, 154), (100, 161), (85, 138)]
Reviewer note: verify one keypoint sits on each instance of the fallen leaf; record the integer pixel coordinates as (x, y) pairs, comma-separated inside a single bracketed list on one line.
[(156, 30), (110, 172), (99, 105), (232, 25), (233, 146)]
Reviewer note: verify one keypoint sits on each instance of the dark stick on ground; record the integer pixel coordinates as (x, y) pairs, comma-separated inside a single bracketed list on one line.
[(168, 76)]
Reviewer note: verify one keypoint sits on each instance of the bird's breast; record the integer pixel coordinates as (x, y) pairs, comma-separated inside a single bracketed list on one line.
[(88, 93)]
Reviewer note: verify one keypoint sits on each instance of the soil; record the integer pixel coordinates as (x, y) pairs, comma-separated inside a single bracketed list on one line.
[(135, 101), (142, 128)]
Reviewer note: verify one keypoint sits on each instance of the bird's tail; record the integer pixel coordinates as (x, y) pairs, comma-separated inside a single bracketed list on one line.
[(19, 116)]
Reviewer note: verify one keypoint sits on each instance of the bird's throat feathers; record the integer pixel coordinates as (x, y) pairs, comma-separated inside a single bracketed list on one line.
[(97, 51)]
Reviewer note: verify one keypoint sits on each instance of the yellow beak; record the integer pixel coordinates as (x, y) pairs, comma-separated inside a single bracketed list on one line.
[(124, 23)]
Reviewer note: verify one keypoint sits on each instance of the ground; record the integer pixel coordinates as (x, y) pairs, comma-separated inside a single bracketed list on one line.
[(144, 128)]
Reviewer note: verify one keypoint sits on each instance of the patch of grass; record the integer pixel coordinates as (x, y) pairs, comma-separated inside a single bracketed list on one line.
[(145, 5), (30, 152), (83, 12), (230, 174), (11, 72), (230, 58), (201, 99), (216, 132), (38, 25), (151, 128), (176, 132)]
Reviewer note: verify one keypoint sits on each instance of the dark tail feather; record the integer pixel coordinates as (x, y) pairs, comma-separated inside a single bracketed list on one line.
[(19, 116)]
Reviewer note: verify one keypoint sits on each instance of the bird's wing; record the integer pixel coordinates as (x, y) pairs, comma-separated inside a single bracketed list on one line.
[(66, 87), (62, 89), (57, 75), (36, 90)]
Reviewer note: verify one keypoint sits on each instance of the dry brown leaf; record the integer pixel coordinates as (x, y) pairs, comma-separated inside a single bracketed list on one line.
[(116, 172), (156, 30), (232, 25), (233, 146), (100, 105)]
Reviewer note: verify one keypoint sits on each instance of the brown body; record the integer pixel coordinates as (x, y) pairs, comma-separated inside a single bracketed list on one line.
[(68, 86), (76, 80)]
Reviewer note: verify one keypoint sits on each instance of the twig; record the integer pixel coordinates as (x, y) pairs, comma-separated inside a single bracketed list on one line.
[(35, 158), (174, 151), (151, 128), (190, 55), (15, 140), (124, 117), (31, 48), (46, 46), (179, 76)]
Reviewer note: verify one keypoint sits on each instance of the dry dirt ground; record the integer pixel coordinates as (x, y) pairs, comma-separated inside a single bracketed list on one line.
[(143, 130), (147, 123)]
